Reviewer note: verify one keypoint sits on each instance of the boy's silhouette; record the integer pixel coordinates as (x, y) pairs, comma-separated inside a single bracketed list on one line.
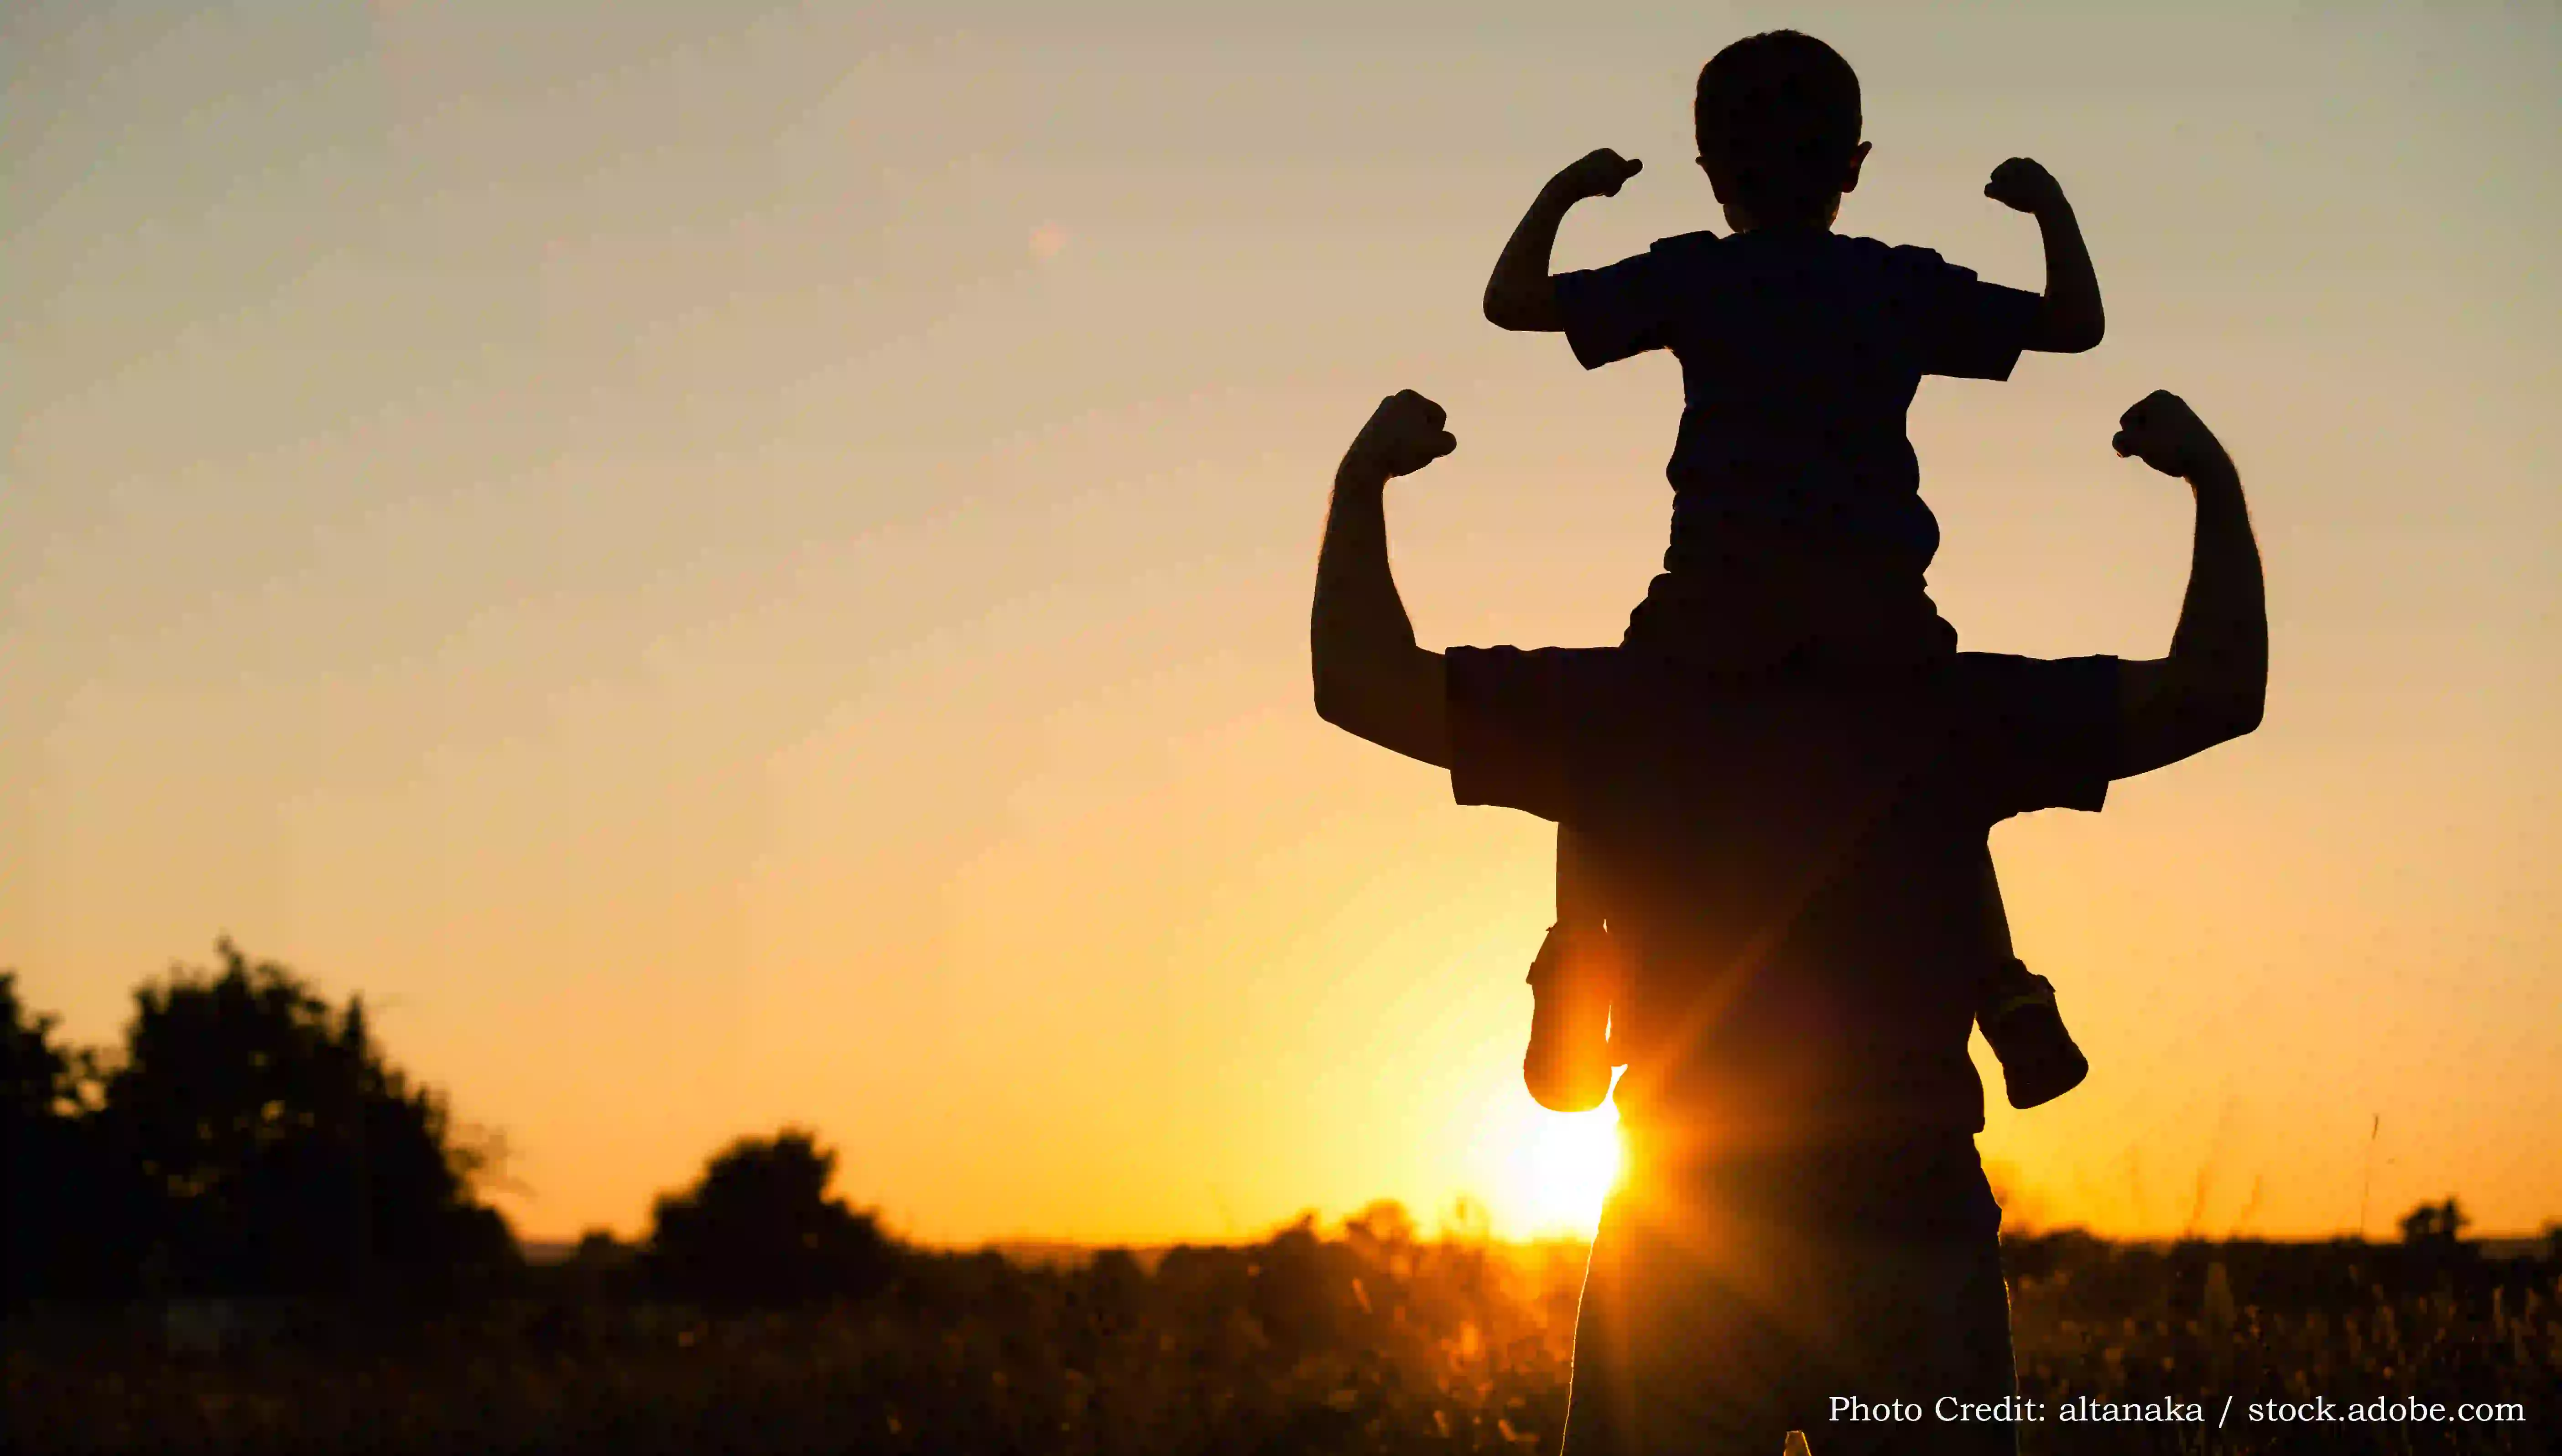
[(1798, 528)]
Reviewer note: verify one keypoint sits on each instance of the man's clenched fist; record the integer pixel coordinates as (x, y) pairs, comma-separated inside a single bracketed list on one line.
[(2024, 185), (1404, 436), (2165, 434)]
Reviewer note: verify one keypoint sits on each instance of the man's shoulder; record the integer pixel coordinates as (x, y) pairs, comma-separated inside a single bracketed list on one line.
[(1968, 704), (1961, 672), (1601, 682), (1542, 675), (1611, 697), (2001, 669), (1523, 722), (2059, 709), (2006, 683)]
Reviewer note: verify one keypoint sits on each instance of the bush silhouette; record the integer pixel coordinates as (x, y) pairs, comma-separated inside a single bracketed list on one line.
[(35, 1075), (71, 1218), (280, 1150), (2435, 1225), (759, 1231)]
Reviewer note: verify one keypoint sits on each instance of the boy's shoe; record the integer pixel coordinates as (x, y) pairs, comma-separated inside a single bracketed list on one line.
[(2039, 1061), (1567, 1066)]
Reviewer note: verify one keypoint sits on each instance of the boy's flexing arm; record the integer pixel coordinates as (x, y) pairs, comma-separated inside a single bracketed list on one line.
[(1520, 294), (2071, 322)]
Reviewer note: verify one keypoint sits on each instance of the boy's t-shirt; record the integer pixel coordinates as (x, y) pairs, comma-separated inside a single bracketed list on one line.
[(1800, 352)]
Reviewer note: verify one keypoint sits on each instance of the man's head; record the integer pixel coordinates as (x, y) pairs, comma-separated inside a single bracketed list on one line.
[(1778, 130)]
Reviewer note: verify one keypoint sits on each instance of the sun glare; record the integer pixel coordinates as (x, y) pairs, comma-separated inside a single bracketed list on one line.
[(1559, 1169)]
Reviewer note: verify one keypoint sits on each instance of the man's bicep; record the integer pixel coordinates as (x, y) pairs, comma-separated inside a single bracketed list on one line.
[(1423, 707), (1408, 707), (2140, 684), (2154, 728)]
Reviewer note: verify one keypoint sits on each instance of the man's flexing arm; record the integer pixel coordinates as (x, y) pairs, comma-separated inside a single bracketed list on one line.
[(2215, 683), (1371, 680)]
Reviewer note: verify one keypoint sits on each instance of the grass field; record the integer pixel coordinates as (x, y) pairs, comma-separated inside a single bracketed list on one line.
[(1301, 1342)]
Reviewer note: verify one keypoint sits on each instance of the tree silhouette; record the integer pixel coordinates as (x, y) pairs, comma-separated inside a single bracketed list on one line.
[(2435, 1225), (73, 1218), (759, 1229), (35, 1075), (33, 1078), (286, 1154)]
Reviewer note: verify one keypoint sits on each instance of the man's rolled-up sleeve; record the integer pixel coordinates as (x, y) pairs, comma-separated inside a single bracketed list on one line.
[(2048, 731), (1514, 724)]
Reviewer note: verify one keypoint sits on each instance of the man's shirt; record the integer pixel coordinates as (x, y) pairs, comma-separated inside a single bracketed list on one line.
[(1794, 865), (1800, 352)]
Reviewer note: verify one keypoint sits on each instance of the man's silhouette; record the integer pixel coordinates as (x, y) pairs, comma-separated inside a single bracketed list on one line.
[(1795, 854)]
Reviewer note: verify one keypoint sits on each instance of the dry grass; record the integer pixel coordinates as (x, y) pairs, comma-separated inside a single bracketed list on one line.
[(1295, 1345)]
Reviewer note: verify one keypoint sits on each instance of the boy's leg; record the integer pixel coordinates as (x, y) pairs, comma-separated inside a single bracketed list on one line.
[(1750, 596), (2019, 1018), (1726, 620), (1887, 622), (1567, 1066)]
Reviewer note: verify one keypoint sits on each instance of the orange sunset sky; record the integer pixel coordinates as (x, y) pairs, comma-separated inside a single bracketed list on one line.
[(732, 565)]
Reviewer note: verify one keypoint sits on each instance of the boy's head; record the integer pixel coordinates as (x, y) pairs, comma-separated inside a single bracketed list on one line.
[(1778, 130)]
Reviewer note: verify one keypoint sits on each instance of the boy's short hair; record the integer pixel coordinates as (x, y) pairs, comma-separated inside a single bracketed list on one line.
[(1779, 114)]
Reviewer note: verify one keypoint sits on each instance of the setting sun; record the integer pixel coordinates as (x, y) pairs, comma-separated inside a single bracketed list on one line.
[(1557, 1169)]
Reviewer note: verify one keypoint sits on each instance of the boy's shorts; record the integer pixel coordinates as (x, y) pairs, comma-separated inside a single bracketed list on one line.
[(1709, 1331)]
